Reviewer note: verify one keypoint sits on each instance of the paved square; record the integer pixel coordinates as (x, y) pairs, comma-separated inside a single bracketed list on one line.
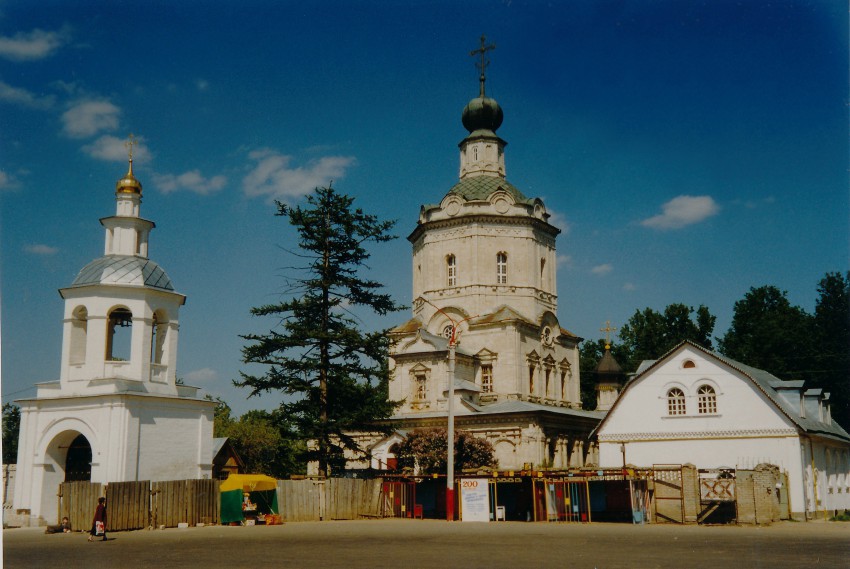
[(409, 544)]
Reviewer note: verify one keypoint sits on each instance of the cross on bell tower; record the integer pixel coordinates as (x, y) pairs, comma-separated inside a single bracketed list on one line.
[(482, 65), (608, 329)]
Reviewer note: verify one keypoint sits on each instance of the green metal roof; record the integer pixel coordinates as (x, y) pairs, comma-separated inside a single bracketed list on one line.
[(476, 188), (123, 270)]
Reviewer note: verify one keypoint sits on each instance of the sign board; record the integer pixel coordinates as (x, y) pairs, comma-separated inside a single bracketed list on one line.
[(475, 500)]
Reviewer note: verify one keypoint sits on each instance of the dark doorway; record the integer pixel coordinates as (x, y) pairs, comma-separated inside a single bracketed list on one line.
[(78, 461)]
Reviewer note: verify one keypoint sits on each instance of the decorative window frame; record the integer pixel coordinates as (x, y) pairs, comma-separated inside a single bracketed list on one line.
[(451, 270), (501, 268), (676, 402), (706, 399)]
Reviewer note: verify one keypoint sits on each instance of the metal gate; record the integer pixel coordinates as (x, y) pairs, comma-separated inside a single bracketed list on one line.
[(399, 499), (669, 505), (717, 496), (562, 501)]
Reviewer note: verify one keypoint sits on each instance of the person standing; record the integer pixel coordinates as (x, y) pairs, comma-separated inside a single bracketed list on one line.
[(98, 524)]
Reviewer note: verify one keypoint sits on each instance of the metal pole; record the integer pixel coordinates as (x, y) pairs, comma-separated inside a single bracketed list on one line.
[(450, 453)]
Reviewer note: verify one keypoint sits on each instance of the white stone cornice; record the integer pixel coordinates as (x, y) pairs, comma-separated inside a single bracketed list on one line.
[(684, 435)]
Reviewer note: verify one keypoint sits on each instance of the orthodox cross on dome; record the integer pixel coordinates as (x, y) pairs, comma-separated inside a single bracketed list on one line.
[(482, 66), (129, 144), (608, 329)]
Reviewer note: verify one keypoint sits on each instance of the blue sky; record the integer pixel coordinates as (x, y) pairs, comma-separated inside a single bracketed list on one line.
[(688, 150)]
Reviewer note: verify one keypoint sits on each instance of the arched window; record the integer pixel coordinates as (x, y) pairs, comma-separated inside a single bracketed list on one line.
[(475, 153), (706, 400), (675, 402), (451, 270), (79, 332), (501, 268), (159, 333), (421, 387)]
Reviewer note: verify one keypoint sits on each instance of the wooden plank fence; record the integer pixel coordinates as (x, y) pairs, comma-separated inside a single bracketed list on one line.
[(185, 501), (333, 499), (351, 499), (77, 502), (137, 505), (300, 500), (127, 505)]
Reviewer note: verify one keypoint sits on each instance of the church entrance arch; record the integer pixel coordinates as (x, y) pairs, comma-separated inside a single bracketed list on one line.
[(68, 457), (78, 460)]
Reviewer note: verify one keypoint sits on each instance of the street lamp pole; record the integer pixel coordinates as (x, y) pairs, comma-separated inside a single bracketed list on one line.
[(450, 456), (450, 378)]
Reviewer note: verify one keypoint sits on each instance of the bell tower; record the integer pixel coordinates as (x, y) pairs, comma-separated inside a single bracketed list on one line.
[(121, 312)]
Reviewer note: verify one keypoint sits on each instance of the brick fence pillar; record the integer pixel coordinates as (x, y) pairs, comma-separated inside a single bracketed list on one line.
[(690, 493)]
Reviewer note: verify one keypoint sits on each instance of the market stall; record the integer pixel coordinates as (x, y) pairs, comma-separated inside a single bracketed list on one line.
[(249, 499)]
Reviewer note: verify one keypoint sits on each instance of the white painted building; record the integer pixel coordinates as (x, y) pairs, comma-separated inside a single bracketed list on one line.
[(485, 257), (117, 412), (696, 406)]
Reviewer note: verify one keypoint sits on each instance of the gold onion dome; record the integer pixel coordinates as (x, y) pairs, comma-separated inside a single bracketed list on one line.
[(129, 184)]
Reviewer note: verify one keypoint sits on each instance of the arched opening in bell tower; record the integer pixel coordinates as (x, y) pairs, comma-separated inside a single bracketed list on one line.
[(119, 332)]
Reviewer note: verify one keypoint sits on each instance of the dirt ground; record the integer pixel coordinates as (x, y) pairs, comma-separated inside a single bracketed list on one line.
[(412, 544)]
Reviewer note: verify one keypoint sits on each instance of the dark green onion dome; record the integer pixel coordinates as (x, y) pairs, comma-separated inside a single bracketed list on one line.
[(478, 188), (123, 270), (482, 113)]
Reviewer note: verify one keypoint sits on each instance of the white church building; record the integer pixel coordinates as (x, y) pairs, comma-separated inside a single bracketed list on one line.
[(699, 407), (117, 412), (484, 258)]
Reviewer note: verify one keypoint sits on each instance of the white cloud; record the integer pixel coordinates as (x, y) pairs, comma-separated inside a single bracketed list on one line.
[(559, 221), (682, 211), (272, 175), (629, 286), (17, 96), (113, 149), (191, 181), (41, 249), (201, 375), (603, 269), (31, 46), (6, 181), (88, 117)]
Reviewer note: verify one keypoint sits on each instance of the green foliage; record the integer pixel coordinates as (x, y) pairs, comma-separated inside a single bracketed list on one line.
[(769, 333), (428, 448), (11, 431), (647, 335), (264, 441), (334, 375), (830, 367)]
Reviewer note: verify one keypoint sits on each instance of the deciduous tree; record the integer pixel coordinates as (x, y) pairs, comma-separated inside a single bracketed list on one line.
[(770, 333), (333, 375), (427, 448), (831, 353)]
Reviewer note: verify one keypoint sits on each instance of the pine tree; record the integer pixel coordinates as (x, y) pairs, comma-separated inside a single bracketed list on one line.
[(333, 375)]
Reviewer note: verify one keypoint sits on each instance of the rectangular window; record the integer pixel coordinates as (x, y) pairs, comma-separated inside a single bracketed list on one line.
[(531, 380), (451, 270), (487, 379), (502, 268)]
